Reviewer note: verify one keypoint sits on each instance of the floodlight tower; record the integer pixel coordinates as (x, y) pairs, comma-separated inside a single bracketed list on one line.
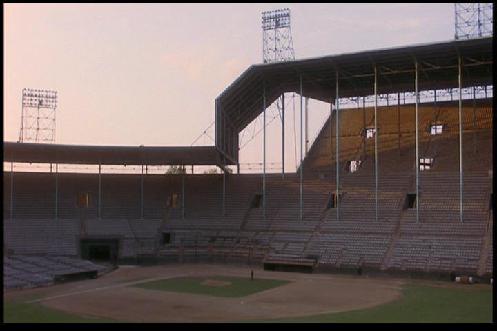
[(473, 20), (38, 116), (277, 36)]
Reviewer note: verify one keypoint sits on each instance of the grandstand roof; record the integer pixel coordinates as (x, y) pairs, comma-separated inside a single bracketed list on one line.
[(115, 155), (241, 102)]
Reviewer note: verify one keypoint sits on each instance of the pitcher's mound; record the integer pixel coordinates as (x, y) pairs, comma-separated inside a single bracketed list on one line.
[(215, 283)]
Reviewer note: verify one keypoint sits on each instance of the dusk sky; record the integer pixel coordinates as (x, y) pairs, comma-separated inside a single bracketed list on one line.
[(148, 74)]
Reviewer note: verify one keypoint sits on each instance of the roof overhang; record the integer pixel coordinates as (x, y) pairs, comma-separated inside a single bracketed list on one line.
[(111, 155), (242, 101)]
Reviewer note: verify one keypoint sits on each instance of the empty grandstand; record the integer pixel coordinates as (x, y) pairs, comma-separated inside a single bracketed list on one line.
[(390, 193)]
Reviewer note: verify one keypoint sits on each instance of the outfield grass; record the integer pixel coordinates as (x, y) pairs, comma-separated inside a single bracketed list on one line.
[(239, 287), (419, 304), (17, 312)]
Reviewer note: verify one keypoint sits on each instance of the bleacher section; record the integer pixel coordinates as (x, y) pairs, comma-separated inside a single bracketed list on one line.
[(198, 229), (22, 271)]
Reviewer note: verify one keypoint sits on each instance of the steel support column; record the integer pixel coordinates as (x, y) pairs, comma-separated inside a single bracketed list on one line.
[(141, 195), (56, 191), (376, 141), (99, 191), (337, 152), (283, 135), (301, 202), (224, 186), (183, 196), (11, 191), (306, 113), (263, 151), (416, 81), (460, 139)]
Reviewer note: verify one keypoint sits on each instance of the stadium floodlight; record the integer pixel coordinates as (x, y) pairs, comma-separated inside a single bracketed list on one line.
[(38, 115), (473, 20), (277, 36)]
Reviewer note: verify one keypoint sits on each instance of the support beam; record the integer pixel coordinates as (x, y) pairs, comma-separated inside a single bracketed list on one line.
[(283, 135), (460, 140), (99, 191), (11, 191), (263, 151), (141, 195), (306, 126), (376, 141), (301, 202), (224, 190), (183, 196), (56, 191), (337, 152), (398, 121), (416, 81)]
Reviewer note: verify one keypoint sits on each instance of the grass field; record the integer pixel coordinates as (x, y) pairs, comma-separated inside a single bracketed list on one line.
[(233, 286), (420, 303)]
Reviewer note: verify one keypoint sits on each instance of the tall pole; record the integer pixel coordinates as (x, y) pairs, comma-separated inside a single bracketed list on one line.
[(376, 141), (331, 135), (11, 190), (141, 195), (306, 126), (337, 153), (460, 139), (183, 196), (417, 141), (224, 187), (56, 190), (264, 151), (283, 135), (99, 191), (301, 211)]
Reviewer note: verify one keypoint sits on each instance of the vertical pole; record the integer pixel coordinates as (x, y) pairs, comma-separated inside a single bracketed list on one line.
[(264, 151), (183, 196), (141, 195), (364, 138), (283, 135), (398, 120), (460, 139), (417, 141), (11, 190), (376, 140), (331, 135), (99, 191), (301, 212), (224, 187), (56, 190), (337, 108), (306, 126)]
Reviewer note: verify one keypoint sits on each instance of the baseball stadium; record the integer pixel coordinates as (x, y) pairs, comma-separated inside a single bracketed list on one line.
[(388, 216)]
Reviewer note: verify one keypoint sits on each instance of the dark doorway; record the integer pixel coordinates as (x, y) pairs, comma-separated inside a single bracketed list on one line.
[(100, 250), (333, 200), (256, 201), (166, 238), (411, 201)]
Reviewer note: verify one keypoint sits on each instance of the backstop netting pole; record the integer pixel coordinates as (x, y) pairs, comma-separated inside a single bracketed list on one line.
[(301, 157), (264, 150)]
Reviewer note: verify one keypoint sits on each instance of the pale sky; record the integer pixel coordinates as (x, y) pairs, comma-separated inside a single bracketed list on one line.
[(148, 74)]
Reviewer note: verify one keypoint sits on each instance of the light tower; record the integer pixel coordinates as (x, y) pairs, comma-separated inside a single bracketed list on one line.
[(473, 20), (38, 116), (277, 36)]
